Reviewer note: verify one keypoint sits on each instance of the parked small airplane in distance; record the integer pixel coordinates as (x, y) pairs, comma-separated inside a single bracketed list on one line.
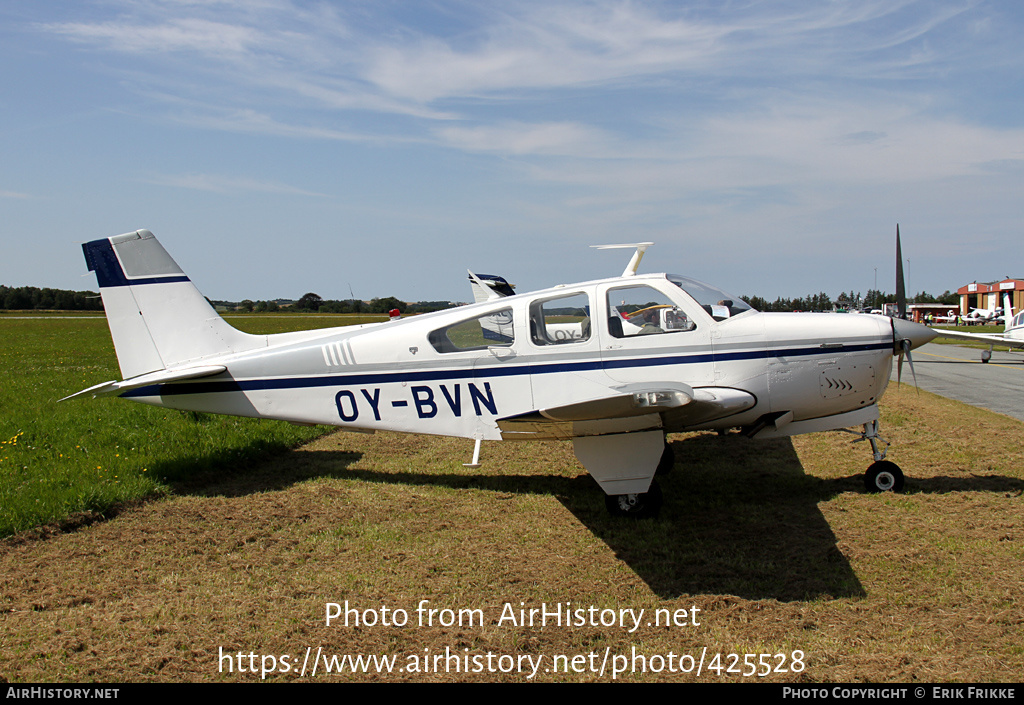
[(1012, 335), (614, 365), (983, 315)]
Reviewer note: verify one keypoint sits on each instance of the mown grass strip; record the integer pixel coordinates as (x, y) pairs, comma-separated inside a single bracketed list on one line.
[(91, 455)]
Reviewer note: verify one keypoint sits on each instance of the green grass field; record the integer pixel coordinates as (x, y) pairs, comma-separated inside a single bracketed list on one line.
[(66, 461)]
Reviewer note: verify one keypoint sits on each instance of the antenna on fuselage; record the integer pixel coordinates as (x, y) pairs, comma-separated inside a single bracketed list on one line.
[(634, 261)]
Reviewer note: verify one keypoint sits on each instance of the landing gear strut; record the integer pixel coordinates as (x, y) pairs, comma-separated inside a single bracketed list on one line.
[(882, 475)]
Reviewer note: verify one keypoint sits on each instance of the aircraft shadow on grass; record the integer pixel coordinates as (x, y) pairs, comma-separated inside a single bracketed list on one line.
[(740, 518), (232, 478)]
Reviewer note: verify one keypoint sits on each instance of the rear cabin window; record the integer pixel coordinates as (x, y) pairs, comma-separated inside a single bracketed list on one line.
[(565, 319), (490, 330)]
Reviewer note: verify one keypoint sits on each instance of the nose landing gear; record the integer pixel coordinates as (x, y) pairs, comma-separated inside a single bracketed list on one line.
[(882, 475)]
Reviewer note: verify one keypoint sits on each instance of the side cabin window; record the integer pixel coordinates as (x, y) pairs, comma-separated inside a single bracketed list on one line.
[(643, 310), (479, 333), (564, 319)]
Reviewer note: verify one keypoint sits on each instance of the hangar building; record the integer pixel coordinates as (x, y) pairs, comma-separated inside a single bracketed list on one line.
[(990, 295)]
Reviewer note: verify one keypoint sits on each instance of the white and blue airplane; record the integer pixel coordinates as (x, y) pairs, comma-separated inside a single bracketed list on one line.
[(504, 369)]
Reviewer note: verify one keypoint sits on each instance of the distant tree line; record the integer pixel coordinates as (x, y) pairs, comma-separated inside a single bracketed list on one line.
[(427, 306), (32, 298), (314, 303), (871, 300), (817, 302)]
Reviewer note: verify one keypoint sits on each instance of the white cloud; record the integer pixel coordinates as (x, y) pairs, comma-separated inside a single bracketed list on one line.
[(175, 35), (758, 92), (211, 117), (544, 49), (540, 47), (349, 62), (217, 183), (555, 138)]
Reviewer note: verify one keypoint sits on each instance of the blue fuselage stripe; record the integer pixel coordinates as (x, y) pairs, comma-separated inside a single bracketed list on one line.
[(216, 387)]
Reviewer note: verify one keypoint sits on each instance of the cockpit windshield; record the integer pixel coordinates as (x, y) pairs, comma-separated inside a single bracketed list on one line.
[(719, 304)]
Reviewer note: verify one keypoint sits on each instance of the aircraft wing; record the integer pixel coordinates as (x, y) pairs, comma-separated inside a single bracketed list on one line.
[(113, 387), (673, 404), (991, 338)]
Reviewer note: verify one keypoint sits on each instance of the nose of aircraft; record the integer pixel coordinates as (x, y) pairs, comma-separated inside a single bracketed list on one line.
[(916, 333)]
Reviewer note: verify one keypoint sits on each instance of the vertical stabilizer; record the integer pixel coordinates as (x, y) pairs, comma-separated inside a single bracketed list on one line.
[(157, 317)]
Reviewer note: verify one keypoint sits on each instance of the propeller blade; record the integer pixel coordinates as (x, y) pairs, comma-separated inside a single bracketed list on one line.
[(910, 361), (901, 293)]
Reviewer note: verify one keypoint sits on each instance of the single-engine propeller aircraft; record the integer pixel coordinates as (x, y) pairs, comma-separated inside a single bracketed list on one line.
[(983, 315), (614, 365)]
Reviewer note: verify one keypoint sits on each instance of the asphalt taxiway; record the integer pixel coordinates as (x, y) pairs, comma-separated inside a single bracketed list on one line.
[(958, 373)]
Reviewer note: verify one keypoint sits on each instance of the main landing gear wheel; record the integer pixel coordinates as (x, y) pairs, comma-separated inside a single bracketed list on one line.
[(884, 476), (667, 462), (636, 506)]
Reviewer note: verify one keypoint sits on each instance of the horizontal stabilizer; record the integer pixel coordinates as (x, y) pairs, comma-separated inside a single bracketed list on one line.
[(489, 287), (113, 388)]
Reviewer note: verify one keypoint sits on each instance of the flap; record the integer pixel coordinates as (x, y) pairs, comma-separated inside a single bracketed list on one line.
[(625, 401)]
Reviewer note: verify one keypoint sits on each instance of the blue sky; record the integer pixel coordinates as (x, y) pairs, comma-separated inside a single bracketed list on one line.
[(280, 147)]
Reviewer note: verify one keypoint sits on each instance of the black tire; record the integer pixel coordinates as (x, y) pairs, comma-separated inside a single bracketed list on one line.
[(667, 462), (884, 476), (635, 506)]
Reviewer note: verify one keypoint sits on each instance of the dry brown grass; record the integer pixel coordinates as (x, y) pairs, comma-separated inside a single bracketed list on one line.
[(775, 542)]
